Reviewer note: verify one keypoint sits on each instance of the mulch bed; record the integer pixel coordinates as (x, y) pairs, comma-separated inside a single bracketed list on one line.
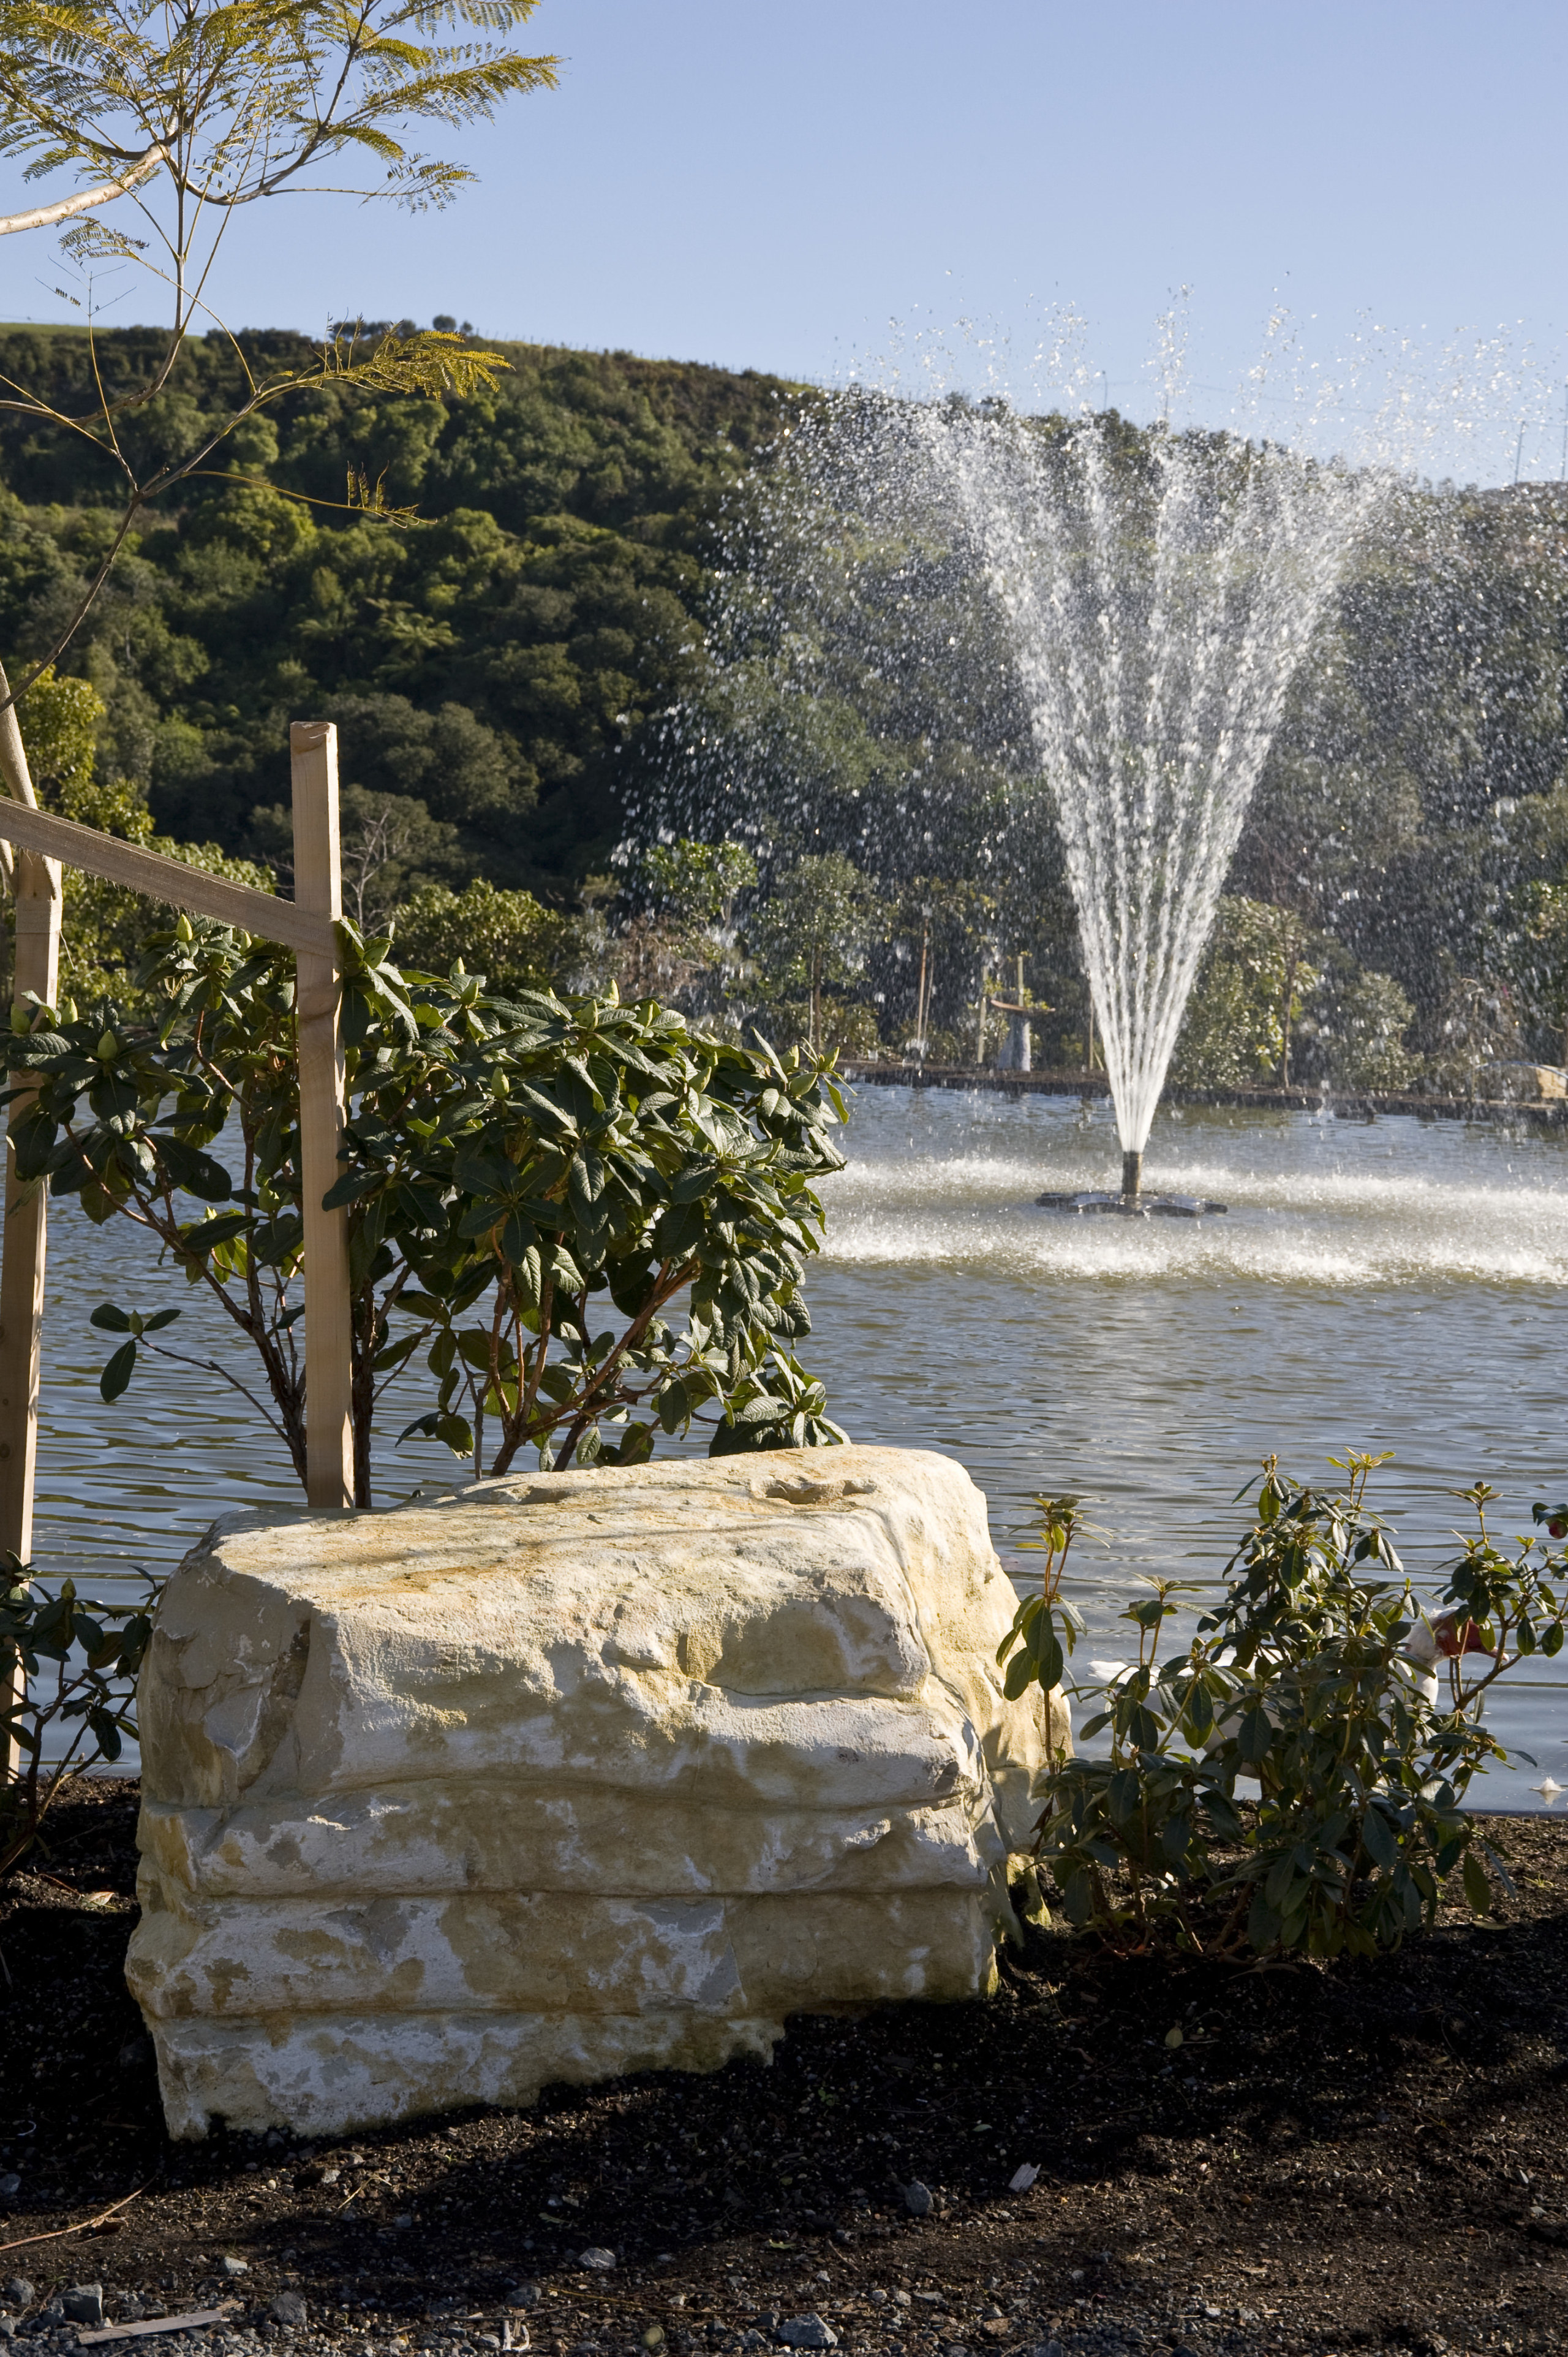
[(1371, 2155)]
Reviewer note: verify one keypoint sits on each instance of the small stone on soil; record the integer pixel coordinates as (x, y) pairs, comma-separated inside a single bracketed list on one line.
[(807, 2333)]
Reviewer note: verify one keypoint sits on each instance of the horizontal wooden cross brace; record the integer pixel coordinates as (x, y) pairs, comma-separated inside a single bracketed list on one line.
[(166, 879)]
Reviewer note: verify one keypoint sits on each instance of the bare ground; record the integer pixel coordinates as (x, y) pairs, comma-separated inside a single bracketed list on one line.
[(1363, 2157)]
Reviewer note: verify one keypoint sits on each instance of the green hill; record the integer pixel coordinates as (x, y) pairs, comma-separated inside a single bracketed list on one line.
[(496, 664), (501, 671)]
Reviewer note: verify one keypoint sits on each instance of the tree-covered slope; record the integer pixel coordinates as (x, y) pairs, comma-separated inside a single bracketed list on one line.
[(496, 662), (503, 672)]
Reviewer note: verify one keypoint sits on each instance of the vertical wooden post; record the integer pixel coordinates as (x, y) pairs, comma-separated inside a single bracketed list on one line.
[(921, 998), (328, 1329), (34, 939), (35, 910)]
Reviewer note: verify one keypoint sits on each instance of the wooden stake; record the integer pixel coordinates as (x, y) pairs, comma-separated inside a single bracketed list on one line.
[(35, 906), (329, 1318), (35, 910), (920, 998)]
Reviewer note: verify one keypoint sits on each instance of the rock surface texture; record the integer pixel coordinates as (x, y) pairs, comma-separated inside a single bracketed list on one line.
[(569, 1775)]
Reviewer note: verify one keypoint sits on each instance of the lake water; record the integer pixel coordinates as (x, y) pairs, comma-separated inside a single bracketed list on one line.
[(1386, 1284)]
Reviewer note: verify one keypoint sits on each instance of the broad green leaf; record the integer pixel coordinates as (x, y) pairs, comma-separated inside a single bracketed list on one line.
[(1254, 1735), (1381, 1839), (1477, 1889)]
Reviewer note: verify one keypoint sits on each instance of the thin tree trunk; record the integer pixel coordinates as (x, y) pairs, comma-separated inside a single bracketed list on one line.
[(1285, 1021), (921, 997)]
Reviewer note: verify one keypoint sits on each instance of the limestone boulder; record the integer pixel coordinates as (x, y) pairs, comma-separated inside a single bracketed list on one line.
[(567, 1775)]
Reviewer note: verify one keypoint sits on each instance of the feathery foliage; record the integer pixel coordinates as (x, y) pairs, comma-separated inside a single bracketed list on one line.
[(236, 102), (186, 110)]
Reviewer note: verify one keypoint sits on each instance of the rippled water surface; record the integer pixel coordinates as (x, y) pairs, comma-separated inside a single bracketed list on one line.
[(1387, 1284), (1395, 1284)]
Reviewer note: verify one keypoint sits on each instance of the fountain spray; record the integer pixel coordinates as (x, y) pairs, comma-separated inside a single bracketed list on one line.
[(1159, 600)]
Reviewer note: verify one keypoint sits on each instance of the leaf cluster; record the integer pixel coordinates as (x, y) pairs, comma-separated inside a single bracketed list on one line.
[(67, 1671), (534, 1188), (1294, 1781), (233, 103)]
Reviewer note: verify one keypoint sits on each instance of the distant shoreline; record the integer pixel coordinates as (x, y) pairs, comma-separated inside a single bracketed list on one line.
[(1550, 1113)]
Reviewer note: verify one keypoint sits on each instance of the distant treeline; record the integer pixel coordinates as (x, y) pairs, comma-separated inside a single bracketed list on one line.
[(531, 671)]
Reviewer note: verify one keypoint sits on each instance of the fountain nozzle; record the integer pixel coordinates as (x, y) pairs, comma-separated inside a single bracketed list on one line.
[(1132, 1202)]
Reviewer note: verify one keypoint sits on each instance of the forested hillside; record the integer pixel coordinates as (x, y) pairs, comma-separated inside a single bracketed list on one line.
[(596, 625), (493, 664)]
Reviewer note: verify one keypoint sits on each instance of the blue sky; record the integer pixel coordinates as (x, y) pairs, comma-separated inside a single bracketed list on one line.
[(775, 186)]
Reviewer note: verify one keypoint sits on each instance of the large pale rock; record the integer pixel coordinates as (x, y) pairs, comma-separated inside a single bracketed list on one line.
[(567, 1775)]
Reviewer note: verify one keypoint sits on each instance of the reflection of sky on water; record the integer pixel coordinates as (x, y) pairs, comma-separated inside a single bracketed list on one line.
[(1389, 1285)]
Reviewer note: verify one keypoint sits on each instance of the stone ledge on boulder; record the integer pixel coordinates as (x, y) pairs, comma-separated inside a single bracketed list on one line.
[(567, 1775)]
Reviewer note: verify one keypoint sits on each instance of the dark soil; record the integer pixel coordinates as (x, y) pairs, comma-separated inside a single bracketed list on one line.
[(1369, 2156)]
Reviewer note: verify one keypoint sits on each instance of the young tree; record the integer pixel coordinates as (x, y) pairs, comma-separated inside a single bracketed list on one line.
[(945, 927), (1250, 992), (1541, 959), (509, 938), (589, 1220), (678, 944), (696, 883), (183, 110), (815, 929)]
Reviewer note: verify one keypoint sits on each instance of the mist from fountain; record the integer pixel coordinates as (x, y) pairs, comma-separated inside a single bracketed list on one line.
[(1160, 593), (950, 633)]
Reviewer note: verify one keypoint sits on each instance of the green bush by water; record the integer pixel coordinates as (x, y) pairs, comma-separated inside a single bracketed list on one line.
[(536, 1187), (1320, 1681)]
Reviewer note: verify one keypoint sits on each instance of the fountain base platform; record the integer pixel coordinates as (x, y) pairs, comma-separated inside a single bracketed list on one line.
[(1133, 1207)]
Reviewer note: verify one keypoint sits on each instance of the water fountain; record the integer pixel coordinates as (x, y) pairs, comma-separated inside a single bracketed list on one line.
[(1112, 616), (1160, 594)]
